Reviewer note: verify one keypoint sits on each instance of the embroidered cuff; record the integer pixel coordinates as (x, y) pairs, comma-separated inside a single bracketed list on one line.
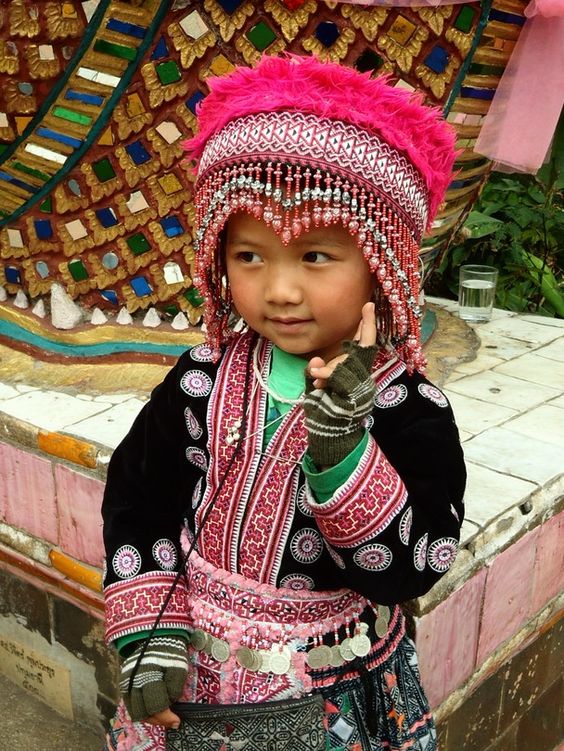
[(132, 606), (364, 505)]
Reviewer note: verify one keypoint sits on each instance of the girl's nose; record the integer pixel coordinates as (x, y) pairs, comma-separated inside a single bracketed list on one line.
[(282, 287)]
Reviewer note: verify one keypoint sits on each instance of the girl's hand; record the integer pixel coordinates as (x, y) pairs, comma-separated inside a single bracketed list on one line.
[(167, 718), (365, 336)]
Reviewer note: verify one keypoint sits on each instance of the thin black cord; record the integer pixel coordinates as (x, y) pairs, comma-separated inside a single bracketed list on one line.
[(182, 568)]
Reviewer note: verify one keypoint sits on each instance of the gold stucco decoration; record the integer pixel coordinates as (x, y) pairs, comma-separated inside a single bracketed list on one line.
[(135, 173), (24, 19), (66, 201), (73, 287), (168, 152), (9, 60), (157, 92), (190, 49), (16, 101), (131, 220), (250, 53), (100, 190), (437, 82), (105, 277), (36, 285), (336, 52), (129, 119), (133, 262), (435, 17), (402, 52), (227, 23), (461, 41), (61, 23), (165, 290), (39, 68), (165, 200), (290, 22), (366, 20)]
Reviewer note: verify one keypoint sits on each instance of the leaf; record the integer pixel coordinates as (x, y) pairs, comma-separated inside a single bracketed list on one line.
[(481, 225), (536, 194)]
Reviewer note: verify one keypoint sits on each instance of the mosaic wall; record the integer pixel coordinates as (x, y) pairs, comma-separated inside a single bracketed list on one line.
[(97, 96)]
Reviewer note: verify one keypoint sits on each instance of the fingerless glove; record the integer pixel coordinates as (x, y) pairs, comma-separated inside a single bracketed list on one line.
[(334, 415)]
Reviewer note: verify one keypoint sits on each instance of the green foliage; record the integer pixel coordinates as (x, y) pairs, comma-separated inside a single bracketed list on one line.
[(518, 227)]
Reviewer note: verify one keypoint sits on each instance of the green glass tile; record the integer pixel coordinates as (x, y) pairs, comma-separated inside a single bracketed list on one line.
[(73, 117), (3, 147), (465, 19), (172, 310), (194, 297), (138, 244), (30, 171), (46, 206), (346, 705), (477, 69), (261, 36), (103, 169), (78, 270), (115, 50), (168, 72)]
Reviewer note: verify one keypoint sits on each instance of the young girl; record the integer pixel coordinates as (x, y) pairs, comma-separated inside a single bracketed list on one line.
[(320, 471)]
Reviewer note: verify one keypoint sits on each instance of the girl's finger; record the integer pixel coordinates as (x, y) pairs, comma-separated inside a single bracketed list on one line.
[(368, 326)]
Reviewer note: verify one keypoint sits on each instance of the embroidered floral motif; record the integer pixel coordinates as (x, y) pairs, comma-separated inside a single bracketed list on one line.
[(194, 427), (301, 502), (164, 553), (197, 493), (335, 556), (196, 383), (373, 557), (433, 393), (392, 396), (297, 582), (420, 553), (201, 353), (405, 525), (441, 554), (306, 545), (368, 422), (197, 457), (126, 561)]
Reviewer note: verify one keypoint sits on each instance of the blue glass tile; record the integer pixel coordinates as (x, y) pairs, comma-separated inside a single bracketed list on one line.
[(504, 17), (140, 286), (161, 50), (194, 100), (138, 152), (124, 27), (110, 296), (75, 143), (43, 229), (106, 217), (172, 226), (80, 96), (229, 6), (463, 183), (475, 93), (437, 59), (20, 183), (327, 32), (12, 275)]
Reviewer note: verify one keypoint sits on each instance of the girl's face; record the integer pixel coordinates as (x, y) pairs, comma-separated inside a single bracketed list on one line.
[(307, 296)]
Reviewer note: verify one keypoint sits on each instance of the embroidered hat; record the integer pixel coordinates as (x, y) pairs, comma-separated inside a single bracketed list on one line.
[(298, 143)]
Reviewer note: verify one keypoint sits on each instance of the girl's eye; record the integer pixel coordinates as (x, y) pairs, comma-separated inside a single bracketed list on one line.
[(248, 256), (314, 256)]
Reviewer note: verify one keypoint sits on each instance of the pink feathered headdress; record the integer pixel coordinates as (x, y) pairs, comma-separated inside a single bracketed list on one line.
[(298, 142)]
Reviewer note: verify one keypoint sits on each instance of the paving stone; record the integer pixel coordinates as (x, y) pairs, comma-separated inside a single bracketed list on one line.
[(532, 367), (26, 603), (543, 320), (544, 422), (553, 351), (557, 402), (111, 426), (502, 389), (473, 416), (7, 392), (514, 327), (481, 363), (504, 348), (508, 452), (489, 494), (51, 410)]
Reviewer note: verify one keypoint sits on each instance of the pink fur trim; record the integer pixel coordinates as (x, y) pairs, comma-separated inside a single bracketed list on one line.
[(304, 84)]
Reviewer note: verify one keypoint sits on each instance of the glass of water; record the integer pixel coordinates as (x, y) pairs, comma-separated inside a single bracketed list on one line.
[(476, 292)]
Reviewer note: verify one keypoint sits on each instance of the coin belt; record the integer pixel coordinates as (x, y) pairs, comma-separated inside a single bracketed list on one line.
[(278, 659)]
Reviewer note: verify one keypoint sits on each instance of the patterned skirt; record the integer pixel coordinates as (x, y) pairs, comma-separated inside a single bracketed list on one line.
[(384, 709)]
